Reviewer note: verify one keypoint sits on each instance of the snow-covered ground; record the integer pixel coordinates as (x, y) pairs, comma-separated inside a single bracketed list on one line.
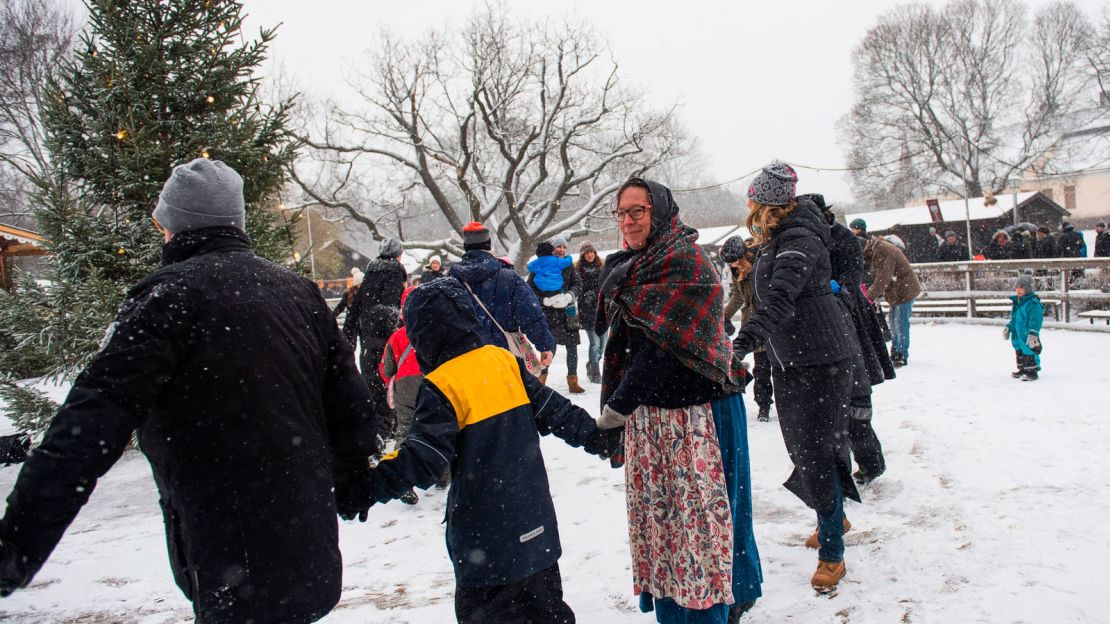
[(993, 509)]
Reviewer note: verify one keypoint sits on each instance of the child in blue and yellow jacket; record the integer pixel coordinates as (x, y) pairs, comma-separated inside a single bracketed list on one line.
[(1024, 329), (480, 412)]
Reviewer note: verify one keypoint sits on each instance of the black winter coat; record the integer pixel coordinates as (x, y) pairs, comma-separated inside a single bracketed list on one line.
[(589, 276), (797, 315), (1102, 244), (1070, 244), (953, 253), (248, 406), (1044, 248), (557, 317), (848, 269), (372, 318)]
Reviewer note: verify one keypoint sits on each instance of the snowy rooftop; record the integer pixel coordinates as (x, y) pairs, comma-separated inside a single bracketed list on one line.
[(951, 210)]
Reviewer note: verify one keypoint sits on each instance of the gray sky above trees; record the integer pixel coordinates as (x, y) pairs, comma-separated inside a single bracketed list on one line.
[(755, 80)]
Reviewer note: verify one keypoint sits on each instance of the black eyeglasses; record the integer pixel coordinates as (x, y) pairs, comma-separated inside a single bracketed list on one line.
[(635, 212)]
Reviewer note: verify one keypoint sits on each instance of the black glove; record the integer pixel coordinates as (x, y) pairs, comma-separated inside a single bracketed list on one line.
[(15, 569), (352, 500), (743, 345), (729, 327)]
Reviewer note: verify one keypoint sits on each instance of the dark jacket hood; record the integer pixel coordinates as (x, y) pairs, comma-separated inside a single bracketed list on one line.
[(477, 265), (807, 215), (441, 322)]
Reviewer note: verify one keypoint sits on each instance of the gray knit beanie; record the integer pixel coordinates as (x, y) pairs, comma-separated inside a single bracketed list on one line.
[(200, 194), (558, 241), (1025, 282), (775, 185), (390, 248)]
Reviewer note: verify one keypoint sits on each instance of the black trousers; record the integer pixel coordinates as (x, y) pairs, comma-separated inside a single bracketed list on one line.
[(537, 599), (866, 447), (764, 390)]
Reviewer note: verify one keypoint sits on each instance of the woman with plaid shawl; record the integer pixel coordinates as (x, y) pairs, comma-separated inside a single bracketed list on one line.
[(668, 379)]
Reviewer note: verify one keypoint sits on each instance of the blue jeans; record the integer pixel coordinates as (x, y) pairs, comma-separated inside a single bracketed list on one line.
[(900, 328), (597, 345), (572, 358), (830, 531)]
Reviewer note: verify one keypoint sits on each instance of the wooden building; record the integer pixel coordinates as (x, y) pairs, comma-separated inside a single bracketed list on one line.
[(16, 242)]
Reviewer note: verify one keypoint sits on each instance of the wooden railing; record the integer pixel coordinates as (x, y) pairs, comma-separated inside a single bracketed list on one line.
[(1063, 284)]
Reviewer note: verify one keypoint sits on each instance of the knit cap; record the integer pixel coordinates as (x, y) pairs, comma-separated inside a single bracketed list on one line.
[(558, 241), (476, 236), (733, 249), (586, 246), (775, 185), (199, 194), (950, 233), (1025, 282), (390, 248), (858, 224)]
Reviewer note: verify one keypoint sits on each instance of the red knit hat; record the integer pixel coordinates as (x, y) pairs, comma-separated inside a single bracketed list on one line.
[(476, 236)]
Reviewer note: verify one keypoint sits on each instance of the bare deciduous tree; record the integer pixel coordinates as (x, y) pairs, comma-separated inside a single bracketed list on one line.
[(35, 35), (523, 126), (962, 98)]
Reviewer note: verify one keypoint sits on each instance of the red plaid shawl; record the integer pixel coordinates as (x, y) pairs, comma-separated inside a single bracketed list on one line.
[(673, 293)]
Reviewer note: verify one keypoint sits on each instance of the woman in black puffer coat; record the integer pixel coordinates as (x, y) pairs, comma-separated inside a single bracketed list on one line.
[(813, 350)]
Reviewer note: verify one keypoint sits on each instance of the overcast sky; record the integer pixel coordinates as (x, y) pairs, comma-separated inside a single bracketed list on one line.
[(755, 80)]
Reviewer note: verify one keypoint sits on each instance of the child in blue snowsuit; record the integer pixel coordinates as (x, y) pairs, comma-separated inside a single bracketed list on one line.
[(548, 269), (1024, 329)]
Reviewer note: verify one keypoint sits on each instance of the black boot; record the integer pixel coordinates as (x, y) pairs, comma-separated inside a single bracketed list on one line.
[(737, 611), (410, 498), (593, 372), (764, 413), (897, 359)]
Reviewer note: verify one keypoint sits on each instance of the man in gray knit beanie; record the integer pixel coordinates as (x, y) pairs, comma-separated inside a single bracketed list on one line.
[(775, 185), (200, 194)]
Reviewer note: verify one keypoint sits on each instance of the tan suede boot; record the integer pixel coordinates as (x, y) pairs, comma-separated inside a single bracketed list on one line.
[(827, 576), (811, 541), (572, 385)]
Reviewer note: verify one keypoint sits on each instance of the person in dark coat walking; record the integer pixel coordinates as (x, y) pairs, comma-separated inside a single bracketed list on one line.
[(349, 295), (503, 292), (875, 365), (894, 280), (246, 434), (813, 351), (372, 319), (480, 412), (953, 250), (433, 270), (1102, 241), (563, 324), (589, 267)]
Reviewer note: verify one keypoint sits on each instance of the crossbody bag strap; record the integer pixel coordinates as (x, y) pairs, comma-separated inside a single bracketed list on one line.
[(483, 306)]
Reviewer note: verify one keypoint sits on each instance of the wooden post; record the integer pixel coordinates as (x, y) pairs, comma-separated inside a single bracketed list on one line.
[(1065, 305), (969, 283)]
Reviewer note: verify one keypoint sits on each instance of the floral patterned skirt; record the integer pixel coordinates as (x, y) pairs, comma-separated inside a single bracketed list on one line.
[(679, 520)]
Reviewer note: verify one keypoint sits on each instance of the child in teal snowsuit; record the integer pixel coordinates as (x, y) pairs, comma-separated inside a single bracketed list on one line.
[(1024, 329)]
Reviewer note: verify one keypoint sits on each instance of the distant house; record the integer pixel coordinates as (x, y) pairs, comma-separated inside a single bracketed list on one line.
[(16, 242), (912, 224), (1082, 184)]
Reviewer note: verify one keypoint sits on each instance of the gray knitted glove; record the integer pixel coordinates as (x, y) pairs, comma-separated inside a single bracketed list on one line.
[(611, 418)]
